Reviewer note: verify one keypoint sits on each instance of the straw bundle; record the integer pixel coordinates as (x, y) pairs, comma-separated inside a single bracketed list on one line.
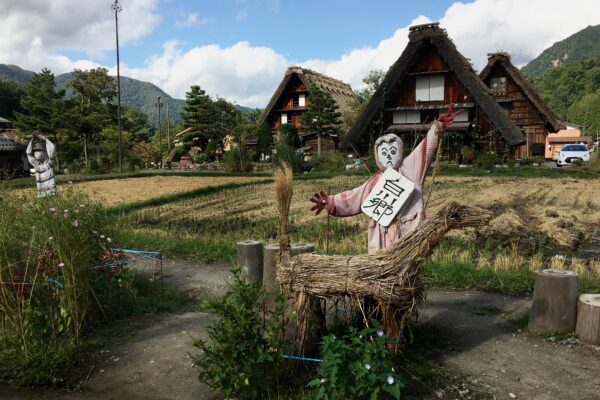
[(392, 277), (283, 193)]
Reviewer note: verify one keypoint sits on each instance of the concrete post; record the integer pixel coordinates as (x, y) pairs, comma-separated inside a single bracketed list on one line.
[(250, 258)]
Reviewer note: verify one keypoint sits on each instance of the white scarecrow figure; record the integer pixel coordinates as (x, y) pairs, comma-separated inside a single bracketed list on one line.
[(39, 153), (388, 154)]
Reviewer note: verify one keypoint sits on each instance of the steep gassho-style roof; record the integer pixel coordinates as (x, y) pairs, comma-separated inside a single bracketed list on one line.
[(341, 92), (431, 34), (503, 60)]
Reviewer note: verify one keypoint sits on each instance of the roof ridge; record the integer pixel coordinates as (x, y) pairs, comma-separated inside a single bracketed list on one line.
[(306, 71)]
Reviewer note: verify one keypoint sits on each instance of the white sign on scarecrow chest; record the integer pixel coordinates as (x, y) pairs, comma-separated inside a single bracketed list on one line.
[(387, 197)]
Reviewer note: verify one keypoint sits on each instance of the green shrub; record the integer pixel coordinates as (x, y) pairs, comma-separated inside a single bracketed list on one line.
[(244, 354), (238, 160), (486, 160), (50, 295), (331, 162), (357, 366)]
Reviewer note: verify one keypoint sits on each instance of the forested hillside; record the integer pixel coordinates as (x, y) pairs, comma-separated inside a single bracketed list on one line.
[(573, 92), (134, 93), (583, 45)]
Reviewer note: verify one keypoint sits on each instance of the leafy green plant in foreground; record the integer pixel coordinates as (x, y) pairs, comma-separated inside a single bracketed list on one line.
[(357, 366), (244, 354)]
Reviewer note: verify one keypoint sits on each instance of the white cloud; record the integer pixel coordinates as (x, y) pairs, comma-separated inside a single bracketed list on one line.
[(35, 32), (241, 73), (191, 20), (249, 74)]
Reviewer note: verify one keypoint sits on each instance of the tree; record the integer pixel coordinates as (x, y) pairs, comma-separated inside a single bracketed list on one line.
[(92, 109), (136, 122), (322, 113), (264, 139), (41, 104), (586, 112), (362, 97), (199, 113), (10, 99)]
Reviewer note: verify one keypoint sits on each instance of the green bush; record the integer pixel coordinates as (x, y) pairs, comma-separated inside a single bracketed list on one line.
[(357, 366), (50, 295), (486, 160), (238, 160), (331, 162), (244, 354)]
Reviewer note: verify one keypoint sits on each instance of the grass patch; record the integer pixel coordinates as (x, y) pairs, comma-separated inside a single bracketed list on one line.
[(467, 276), (69, 366), (174, 244)]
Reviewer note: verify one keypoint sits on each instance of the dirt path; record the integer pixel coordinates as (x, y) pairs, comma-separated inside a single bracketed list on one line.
[(477, 340), (480, 341)]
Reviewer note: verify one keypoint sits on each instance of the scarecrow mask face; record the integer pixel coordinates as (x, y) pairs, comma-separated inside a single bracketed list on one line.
[(39, 155), (389, 155)]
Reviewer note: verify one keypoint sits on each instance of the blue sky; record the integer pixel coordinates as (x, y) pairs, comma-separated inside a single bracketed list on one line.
[(239, 49)]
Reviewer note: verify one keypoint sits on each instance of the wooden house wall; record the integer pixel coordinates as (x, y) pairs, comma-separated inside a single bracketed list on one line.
[(328, 145), (521, 111)]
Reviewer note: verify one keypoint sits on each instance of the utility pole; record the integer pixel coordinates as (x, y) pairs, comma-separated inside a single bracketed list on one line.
[(168, 130), (158, 106), (116, 7)]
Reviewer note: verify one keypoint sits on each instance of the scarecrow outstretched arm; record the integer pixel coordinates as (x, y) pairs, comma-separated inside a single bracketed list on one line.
[(346, 204), (417, 163)]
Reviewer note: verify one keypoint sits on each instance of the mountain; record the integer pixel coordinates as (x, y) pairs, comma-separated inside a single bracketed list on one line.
[(134, 93), (583, 45), (13, 73)]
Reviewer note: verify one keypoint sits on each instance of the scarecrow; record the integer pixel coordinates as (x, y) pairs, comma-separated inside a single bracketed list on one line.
[(388, 154), (39, 153)]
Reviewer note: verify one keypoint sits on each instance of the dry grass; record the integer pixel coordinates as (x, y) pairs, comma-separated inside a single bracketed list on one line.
[(119, 191)]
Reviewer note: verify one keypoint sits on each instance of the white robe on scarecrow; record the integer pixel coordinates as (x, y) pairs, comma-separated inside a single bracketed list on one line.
[(39, 153)]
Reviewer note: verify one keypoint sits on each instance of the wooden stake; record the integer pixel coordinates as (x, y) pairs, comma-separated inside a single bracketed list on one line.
[(554, 306)]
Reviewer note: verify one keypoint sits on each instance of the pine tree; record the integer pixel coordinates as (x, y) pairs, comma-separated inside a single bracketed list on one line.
[(41, 104), (322, 113), (199, 113)]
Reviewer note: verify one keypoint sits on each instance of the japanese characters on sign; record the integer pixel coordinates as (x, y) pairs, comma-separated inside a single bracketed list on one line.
[(387, 197)]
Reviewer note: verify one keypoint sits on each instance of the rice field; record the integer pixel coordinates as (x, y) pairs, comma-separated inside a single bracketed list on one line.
[(533, 215), (121, 191)]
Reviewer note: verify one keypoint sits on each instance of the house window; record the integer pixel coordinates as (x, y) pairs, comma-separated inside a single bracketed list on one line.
[(430, 88), (302, 100), (406, 117), (284, 119), (498, 86)]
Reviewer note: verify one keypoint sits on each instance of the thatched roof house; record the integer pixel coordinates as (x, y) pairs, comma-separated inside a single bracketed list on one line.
[(291, 99), (524, 106), (429, 75)]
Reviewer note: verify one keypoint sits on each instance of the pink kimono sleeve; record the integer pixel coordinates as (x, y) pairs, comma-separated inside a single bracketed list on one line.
[(417, 163), (348, 203)]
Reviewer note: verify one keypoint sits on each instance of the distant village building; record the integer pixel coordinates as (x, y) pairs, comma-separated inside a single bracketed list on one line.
[(556, 141), (522, 104), (13, 160), (429, 76), (291, 100), (5, 124)]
